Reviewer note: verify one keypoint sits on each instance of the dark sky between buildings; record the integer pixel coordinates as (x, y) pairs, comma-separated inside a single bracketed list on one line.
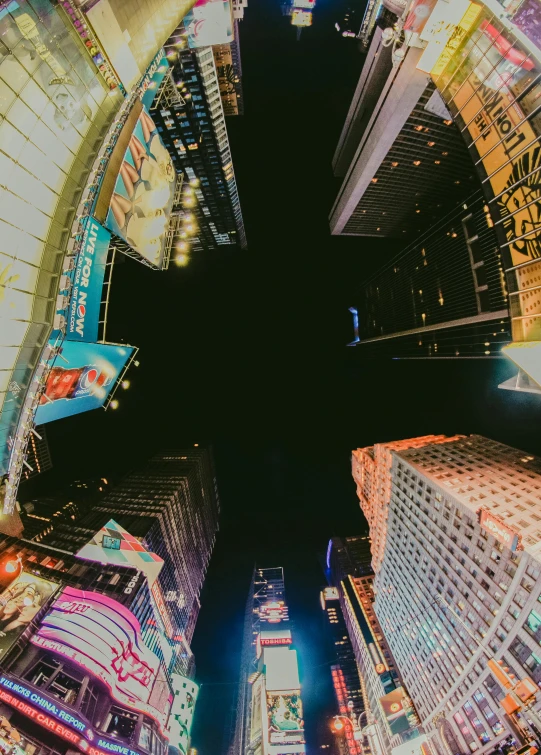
[(247, 350)]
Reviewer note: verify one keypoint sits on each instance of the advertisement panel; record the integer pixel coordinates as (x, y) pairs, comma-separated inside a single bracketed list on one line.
[(153, 78), (143, 193), (285, 718), (19, 603), (104, 637), (418, 15), (273, 612), (397, 711), (502, 532), (300, 17), (85, 282), (209, 22), (256, 721), (182, 712), (527, 356), (281, 668), (275, 637), (114, 545), (493, 73), (89, 375)]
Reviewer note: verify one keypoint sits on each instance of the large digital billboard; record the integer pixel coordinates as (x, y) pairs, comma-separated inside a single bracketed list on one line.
[(19, 604), (285, 718), (81, 379), (143, 193), (182, 711), (281, 668), (398, 711), (114, 545), (208, 23), (85, 283), (104, 637)]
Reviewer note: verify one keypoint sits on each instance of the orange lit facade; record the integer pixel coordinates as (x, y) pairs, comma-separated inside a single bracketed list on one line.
[(371, 468)]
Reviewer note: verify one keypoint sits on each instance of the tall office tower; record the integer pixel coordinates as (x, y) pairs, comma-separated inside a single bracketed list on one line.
[(191, 122), (229, 71), (38, 455), (348, 555), (169, 507), (269, 711), (443, 295), (458, 588), (370, 467), (345, 674), (403, 160)]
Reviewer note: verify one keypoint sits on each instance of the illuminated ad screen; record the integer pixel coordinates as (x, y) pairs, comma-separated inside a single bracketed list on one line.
[(285, 718), (281, 668), (309, 4), (209, 22), (19, 604), (114, 545), (396, 712), (301, 17), (527, 20), (275, 637), (82, 379), (182, 712), (143, 193), (273, 612), (104, 637), (485, 78), (85, 283), (153, 78)]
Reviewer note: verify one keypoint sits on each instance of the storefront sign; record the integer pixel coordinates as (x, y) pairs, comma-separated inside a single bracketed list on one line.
[(502, 532)]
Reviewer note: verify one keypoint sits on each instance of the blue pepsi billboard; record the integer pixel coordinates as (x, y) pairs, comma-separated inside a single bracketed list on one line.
[(81, 378)]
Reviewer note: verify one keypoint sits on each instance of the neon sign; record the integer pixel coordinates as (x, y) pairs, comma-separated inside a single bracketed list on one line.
[(62, 722), (502, 532)]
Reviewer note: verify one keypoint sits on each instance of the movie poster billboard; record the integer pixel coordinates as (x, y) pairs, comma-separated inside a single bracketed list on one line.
[(85, 283), (81, 379), (19, 604), (285, 718), (209, 22), (104, 637), (143, 194)]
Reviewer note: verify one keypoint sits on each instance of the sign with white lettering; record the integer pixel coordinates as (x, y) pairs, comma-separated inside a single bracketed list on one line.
[(502, 532)]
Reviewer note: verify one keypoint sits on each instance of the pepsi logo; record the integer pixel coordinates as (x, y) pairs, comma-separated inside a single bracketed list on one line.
[(90, 378), (81, 310)]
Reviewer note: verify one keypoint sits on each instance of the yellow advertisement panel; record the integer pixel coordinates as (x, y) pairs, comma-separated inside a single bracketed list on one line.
[(486, 80)]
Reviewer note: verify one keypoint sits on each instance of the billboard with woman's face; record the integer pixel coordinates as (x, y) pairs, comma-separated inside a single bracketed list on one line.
[(19, 603), (143, 194)]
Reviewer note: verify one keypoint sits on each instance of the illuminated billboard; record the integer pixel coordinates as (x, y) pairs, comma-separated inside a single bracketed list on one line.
[(256, 722), (209, 22), (85, 283), (418, 15), (114, 545), (81, 379), (486, 78), (285, 718), (527, 356), (19, 604), (300, 17), (268, 638), (104, 637), (152, 79), (502, 532), (143, 193), (398, 711), (182, 711), (54, 105), (281, 668), (273, 612)]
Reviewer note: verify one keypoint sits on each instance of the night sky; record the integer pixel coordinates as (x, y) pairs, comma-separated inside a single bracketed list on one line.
[(246, 349)]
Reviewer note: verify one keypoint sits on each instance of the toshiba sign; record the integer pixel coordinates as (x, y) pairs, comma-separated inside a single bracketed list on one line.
[(501, 531)]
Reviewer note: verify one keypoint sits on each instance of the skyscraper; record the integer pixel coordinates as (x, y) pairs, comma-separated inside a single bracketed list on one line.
[(457, 585), (192, 124), (171, 506), (269, 717)]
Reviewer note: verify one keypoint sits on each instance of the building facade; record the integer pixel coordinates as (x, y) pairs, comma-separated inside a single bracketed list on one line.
[(171, 506), (457, 587), (269, 716)]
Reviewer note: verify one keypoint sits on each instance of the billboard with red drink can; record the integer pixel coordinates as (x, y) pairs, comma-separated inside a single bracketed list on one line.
[(81, 378)]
